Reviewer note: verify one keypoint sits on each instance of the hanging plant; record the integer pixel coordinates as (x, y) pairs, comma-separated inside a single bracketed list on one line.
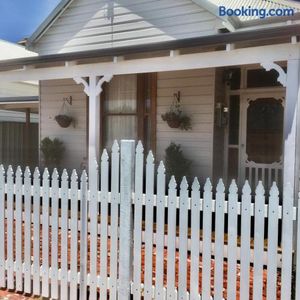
[(63, 119), (175, 117)]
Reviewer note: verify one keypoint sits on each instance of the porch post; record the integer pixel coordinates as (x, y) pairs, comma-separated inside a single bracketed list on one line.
[(292, 126), (93, 88)]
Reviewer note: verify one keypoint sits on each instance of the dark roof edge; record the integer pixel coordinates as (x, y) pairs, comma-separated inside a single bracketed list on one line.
[(18, 99), (211, 40)]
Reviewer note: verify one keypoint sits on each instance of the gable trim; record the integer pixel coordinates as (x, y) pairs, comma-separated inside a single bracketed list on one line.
[(46, 24), (231, 23)]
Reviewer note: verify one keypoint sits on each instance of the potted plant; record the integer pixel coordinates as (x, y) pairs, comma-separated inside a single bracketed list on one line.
[(53, 152), (63, 121), (175, 117), (176, 163)]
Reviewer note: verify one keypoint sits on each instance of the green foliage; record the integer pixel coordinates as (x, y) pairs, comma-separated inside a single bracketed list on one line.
[(176, 118), (53, 151), (175, 162)]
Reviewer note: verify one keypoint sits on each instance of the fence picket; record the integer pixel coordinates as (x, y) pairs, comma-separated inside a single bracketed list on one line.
[(139, 167), (64, 236), (74, 236), (83, 235), (245, 241), (232, 241), (2, 227), (104, 222), (219, 241), (114, 223), (149, 227), (45, 235), (195, 240), (272, 242), (259, 219), (93, 215), (54, 234), (206, 251), (27, 231), (297, 290), (116, 230), (36, 231), (183, 242), (19, 229), (160, 232), (287, 242), (10, 228), (172, 199)]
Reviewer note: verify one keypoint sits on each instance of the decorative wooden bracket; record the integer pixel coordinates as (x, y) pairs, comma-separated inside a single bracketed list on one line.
[(268, 66), (98, 84)]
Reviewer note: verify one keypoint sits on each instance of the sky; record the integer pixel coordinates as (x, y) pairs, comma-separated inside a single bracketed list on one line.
[(20, 18)]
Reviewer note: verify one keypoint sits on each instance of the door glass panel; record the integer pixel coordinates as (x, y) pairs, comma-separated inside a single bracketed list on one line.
[(264, 130)]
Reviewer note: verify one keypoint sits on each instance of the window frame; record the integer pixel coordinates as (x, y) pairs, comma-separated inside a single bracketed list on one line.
[(140, 113)]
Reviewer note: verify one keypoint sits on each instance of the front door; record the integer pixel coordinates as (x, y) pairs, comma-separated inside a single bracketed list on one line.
[(261, 138)]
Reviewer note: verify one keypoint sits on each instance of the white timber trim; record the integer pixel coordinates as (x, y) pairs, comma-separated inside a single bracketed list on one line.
[(93, 89), (223, 58), (174, 53), (230, 47), (268, 66), (291, 118)]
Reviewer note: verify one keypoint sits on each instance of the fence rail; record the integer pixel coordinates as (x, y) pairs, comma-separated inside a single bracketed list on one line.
[(69, 238)]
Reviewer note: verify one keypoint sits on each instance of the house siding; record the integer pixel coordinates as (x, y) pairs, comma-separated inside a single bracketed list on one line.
[(197, 89), (96, 24), (74, 137)]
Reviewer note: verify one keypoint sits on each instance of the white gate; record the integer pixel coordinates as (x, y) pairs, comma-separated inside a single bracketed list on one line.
[(67, 241)]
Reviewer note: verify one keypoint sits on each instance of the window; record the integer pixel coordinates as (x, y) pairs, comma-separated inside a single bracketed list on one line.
[(128, 109), (257, 78)]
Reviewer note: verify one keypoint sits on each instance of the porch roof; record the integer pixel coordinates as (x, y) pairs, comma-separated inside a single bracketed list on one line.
[(220, 39)]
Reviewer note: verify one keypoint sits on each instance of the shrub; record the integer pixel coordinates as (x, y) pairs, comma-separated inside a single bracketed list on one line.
[(175, 162), (53, 151)]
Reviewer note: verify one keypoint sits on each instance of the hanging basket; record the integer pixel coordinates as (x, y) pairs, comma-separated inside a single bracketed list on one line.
[(63, 121), (173, 122), (174, 117)]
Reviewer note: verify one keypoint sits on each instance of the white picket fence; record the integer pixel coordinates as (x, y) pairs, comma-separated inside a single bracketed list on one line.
[(113, 236)]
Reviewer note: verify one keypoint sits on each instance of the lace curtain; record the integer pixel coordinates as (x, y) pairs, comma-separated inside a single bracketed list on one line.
[(120, 109)]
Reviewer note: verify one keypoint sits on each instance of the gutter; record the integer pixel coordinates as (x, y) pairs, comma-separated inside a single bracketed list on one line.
[(211, 40)]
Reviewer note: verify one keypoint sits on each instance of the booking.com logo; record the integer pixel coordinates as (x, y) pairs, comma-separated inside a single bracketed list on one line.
[(255, 12)]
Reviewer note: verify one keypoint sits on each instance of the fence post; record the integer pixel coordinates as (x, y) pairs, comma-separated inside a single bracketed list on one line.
[(126, 219)]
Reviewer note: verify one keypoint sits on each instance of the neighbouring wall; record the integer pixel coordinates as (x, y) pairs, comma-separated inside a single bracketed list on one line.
[(18, 89), (74, 137), (197, 89)]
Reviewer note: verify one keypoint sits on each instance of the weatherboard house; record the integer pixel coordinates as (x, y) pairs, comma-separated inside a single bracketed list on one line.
[(115, 67), (226, 88)]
